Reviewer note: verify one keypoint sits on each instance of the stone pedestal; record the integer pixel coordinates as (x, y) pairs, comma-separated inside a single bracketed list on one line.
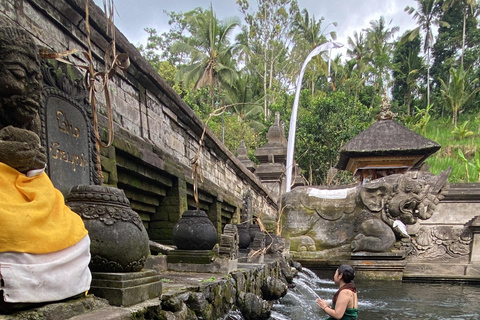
[(191, 256), (379, 265), (199, 261), (126, 289)]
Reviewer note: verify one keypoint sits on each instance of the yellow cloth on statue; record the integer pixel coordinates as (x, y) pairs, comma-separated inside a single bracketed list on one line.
[(33, 215)]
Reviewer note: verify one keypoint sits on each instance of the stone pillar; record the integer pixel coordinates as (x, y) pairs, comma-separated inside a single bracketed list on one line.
[(168, 213), (272, 157), (473, 268), (257, 249), (215, 214), (109, 166)]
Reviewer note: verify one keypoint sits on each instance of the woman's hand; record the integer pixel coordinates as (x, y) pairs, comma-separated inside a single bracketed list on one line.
[(322, 303)]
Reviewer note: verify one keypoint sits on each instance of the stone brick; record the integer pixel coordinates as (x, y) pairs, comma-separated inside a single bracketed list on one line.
[(161, 225)]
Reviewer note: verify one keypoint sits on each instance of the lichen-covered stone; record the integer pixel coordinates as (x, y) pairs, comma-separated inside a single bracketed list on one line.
[(253, 307), (273, 289)]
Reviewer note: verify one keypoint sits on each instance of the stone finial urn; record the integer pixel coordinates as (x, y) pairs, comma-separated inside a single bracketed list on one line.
[(194, 231), (253, 230), (119, 241), (244, 236)]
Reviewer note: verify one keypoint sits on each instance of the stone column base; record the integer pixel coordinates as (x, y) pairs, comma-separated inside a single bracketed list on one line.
[(126, 289), (199, 261)]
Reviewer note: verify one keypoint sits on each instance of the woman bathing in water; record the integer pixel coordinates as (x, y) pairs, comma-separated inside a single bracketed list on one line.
[(345, 301)]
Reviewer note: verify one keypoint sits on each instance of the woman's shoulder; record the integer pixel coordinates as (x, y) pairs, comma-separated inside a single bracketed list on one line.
[(348, 293)]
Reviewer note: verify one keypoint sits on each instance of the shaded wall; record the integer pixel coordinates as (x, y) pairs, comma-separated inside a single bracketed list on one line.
[(156, 133)]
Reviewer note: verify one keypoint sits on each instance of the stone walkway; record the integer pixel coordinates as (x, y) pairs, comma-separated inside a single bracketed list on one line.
[(176, 286)]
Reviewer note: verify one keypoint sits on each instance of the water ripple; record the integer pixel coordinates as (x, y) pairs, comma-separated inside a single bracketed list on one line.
[(382, 300)]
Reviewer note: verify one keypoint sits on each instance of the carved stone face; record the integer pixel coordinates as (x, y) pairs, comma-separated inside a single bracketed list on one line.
[(372, 196), (20, 79)]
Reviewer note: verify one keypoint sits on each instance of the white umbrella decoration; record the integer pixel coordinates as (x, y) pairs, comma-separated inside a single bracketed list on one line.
[(293, 119)]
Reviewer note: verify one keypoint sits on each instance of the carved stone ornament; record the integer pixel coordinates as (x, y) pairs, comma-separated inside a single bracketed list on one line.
[(119, 241), (440, 243)]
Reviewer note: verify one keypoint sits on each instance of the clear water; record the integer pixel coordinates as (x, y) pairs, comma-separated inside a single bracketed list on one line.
[(382, 300)]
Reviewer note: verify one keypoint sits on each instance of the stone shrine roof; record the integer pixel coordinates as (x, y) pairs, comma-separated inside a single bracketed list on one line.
[(386, 138)]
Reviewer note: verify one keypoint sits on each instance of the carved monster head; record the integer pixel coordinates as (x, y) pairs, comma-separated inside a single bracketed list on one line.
[(20, 78), (406, 197)]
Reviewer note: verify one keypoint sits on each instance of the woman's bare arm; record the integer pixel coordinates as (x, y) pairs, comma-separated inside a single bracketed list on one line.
[(342, 302)]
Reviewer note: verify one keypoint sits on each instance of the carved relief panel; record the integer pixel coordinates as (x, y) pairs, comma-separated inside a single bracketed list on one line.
[(67, 132)]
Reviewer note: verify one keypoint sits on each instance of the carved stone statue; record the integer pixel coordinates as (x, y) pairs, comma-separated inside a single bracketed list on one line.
[(20, 92), (369, 217), (44, 246)]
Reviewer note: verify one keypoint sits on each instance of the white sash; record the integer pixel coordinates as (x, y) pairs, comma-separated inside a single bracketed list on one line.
[(46, 277)]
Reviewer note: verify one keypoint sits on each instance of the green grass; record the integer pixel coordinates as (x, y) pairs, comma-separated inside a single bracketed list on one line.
[(440, 131)]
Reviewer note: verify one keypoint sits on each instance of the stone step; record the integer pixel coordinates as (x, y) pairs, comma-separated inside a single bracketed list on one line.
[(108, 313)]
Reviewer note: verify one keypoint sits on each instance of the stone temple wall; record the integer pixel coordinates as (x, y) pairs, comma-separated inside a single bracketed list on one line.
[(156, 133), (448, 242)]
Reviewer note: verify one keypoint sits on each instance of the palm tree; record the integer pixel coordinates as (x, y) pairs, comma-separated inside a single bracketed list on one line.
[(413, 64), (456, 92), (407, 65), (308, 30), (467, 3), (426, 18), (358, 50), (244, 105), (378, 41), (210, 53)]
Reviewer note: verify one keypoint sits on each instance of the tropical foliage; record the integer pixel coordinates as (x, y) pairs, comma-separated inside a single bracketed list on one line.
[(250, 64)]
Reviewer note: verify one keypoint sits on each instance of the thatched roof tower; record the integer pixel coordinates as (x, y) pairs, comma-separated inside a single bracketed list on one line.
[(386, 147)]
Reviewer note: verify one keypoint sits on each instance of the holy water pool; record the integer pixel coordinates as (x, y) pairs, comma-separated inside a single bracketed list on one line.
[(382, 300)]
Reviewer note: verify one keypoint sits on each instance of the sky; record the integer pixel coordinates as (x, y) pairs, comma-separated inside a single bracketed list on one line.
[(350, 15)]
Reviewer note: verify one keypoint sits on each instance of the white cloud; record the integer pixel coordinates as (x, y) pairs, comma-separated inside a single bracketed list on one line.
[(351, 15)]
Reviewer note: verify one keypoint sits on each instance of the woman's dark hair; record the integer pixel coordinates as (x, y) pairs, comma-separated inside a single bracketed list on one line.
[(347, 272)]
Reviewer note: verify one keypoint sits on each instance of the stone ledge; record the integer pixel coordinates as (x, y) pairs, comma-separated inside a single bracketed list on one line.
[(60, 310), (217, 293), (395, 255), (444, 278), (217, 266), (110, 313)]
